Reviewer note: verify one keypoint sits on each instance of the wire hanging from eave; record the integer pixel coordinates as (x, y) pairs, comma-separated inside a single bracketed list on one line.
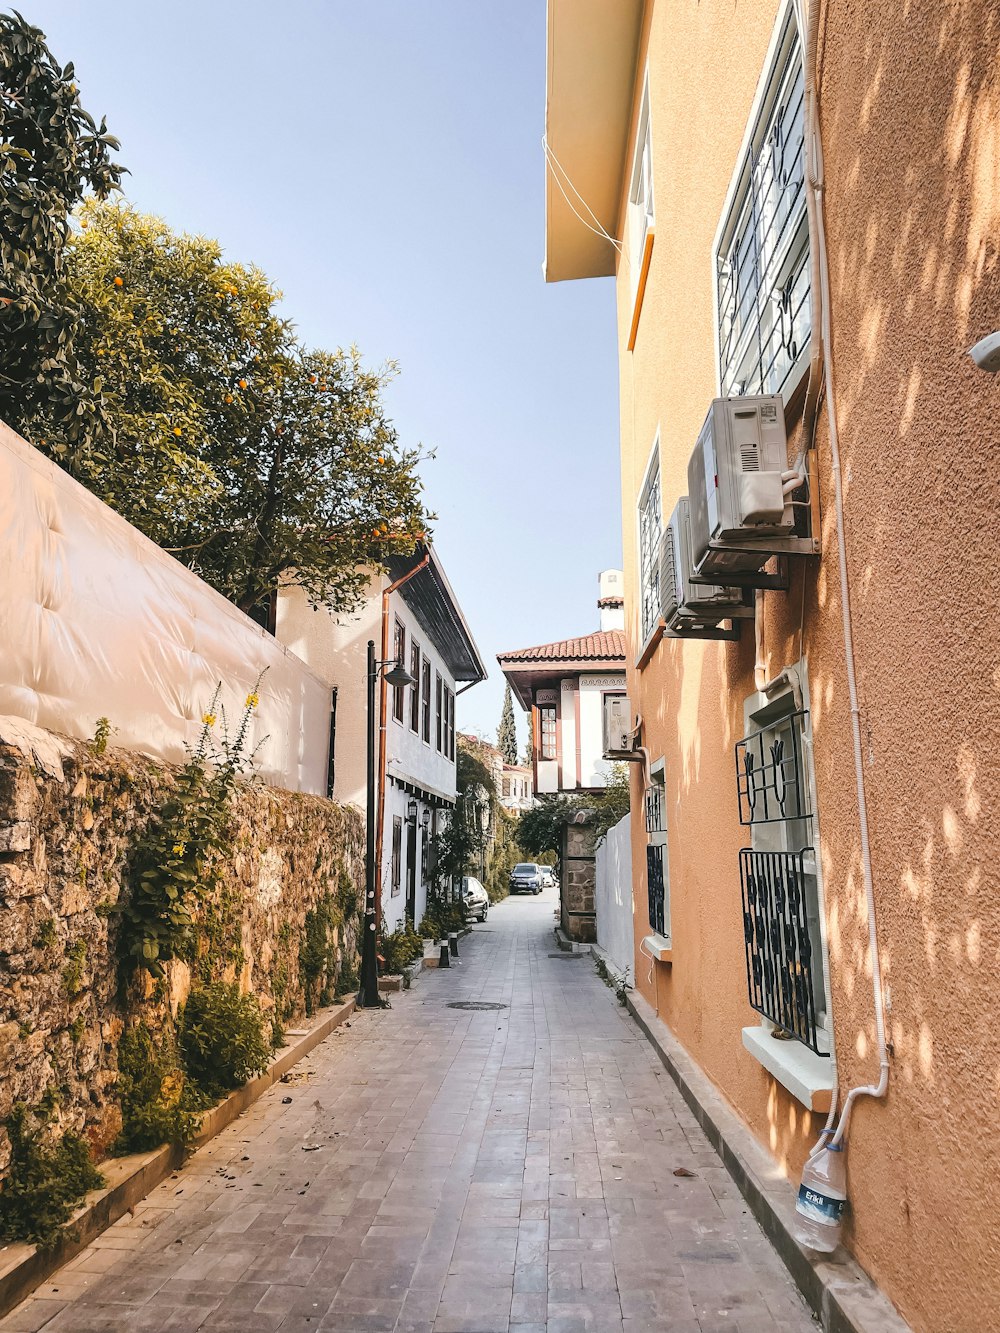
[(556, 169)]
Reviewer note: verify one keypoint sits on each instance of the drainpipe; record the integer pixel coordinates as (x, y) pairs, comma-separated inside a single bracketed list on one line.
[(814, 168), (382, 756)]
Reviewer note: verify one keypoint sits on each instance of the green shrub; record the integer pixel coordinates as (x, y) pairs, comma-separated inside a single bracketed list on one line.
[(441, 919), (45, 1181), (224, 1039), (157, 1103), (402, 947), (72, 977)]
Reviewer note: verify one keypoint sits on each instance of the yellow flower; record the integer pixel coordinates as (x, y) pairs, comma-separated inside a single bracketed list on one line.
[(177, 430), (208, 719), (178, 848), (252, 700)]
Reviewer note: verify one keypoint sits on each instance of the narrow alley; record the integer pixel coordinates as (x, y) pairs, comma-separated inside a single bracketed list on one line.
[(442, 1169)]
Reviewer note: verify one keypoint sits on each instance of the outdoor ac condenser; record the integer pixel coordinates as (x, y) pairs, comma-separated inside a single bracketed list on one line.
[(740, 516), (689, 608)]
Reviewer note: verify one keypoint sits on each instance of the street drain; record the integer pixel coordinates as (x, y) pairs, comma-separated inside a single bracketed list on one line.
[(475, 1004)]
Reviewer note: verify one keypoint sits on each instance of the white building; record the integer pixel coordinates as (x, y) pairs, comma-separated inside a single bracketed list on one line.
[(515, 788), (574, 692), (412, 615)]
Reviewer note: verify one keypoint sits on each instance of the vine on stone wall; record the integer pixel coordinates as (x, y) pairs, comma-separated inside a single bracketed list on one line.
[(176, 864)]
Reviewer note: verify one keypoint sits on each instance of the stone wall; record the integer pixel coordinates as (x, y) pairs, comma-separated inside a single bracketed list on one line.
[(69, 822), (577, 878)]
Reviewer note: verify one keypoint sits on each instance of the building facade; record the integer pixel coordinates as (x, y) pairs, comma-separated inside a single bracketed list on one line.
[(802, 200), (413, 617), (575, 695)]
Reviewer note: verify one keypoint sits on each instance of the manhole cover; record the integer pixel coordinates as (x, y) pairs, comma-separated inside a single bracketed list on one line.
[(475, 1004), (568, 956)]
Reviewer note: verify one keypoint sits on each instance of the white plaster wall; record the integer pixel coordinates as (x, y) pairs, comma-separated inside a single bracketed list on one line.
[(336, 650), (410, 757), (595, 769), (337, 653), (567, 712), (613, 898), (394, 908)]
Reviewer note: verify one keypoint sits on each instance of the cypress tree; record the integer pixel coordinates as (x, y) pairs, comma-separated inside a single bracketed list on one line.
[(506, 732)]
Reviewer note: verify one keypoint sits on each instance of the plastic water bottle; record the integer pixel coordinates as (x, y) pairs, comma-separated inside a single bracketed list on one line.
[(822, 1195)]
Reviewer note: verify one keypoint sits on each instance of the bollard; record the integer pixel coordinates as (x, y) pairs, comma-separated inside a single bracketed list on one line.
[(453, 944), (445, 960)]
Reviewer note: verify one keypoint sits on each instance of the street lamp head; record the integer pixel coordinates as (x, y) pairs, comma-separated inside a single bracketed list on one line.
[(399, 677)]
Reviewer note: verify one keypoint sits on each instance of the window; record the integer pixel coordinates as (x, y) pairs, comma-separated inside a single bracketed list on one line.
[(439, 703), (779, 873), (640, 196), (425, 858), (415, 696), (426, 701), (397, 855), (399, 655), (616, 722), (764, 313), (451, 724), (657, 861), (650, 523), (547, 732)]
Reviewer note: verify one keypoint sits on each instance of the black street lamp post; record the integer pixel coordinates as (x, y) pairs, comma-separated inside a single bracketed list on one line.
[(368, 996)]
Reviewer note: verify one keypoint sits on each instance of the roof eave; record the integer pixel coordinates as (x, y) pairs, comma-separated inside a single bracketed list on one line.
[(592, 51)]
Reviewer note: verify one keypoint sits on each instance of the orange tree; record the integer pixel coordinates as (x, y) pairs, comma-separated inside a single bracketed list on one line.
[(51, 152), (252, 458)]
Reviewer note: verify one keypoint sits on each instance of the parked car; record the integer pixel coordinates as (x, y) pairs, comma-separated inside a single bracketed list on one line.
[(526, 877), (549, 880), (475, 898)]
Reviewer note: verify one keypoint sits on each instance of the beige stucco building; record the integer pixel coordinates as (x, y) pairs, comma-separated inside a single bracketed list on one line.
[(680, 162)]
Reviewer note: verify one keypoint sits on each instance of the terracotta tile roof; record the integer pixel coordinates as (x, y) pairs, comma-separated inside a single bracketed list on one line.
[(600, 646)]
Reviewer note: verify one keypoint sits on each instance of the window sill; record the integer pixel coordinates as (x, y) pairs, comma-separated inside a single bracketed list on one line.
[(807, 1076), (640, 291), (658, 947), (652, 639)]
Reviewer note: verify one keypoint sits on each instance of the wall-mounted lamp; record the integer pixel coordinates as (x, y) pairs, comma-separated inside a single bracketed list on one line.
[(425, 818)]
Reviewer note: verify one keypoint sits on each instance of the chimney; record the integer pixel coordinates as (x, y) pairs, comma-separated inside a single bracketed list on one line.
[(612, 599)]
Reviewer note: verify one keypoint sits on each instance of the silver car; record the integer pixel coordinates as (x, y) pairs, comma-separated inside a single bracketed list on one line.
[(526, 877), (475, 899)]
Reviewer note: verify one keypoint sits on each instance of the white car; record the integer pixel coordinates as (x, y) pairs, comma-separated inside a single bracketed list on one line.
[(475, 899), (548, 877)]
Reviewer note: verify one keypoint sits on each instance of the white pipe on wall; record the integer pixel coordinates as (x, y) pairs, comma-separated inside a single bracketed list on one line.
[(814, 167)]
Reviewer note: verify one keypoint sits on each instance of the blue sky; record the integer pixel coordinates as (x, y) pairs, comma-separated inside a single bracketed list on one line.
[(381, 161)]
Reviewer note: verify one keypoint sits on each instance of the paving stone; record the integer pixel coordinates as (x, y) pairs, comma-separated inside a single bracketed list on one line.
[(507, 1172)]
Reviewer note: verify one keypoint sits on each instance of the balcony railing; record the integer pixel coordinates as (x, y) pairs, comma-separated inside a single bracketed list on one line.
[(655, 883), (779, 952)]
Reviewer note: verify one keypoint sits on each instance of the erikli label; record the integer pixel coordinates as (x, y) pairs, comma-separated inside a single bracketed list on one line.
[(819, 1207)]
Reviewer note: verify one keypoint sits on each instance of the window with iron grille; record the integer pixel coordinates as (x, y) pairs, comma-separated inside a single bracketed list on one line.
[(779, 877), (650, 523), (764, 310), (547, 733), (657, 863)]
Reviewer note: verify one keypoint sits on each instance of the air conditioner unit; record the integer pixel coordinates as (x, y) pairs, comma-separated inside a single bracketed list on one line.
[(692, 609), (740, 515)]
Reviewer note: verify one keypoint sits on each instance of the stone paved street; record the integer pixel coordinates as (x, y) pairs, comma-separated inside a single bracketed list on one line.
[(446, 1171)]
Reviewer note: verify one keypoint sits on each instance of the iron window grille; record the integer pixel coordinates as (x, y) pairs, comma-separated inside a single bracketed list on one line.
[(780, 949), (650, 523), (771, 782), (764, 307), (655, 817), (655, 881)]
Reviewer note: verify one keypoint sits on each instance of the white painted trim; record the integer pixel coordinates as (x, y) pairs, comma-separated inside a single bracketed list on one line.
[(807, 1076), (658, 947), (653, 456)]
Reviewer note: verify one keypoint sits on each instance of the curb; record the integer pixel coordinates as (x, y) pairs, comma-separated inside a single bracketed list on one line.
[(25, 1267), (842, 1295), (570, 946)]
